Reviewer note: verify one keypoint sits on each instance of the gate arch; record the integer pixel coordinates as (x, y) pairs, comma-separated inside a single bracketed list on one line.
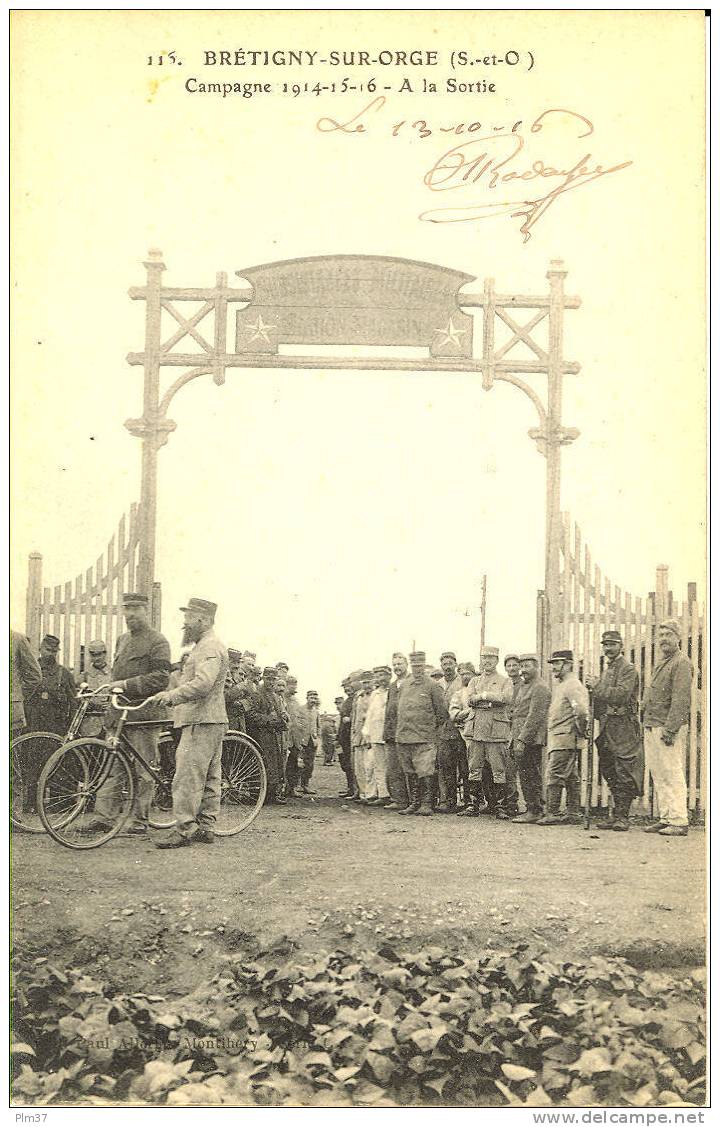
[(333, 302)]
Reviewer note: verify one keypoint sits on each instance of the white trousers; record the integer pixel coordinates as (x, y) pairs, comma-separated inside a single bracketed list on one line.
[(359, 769), (666, 763), (375, 762)]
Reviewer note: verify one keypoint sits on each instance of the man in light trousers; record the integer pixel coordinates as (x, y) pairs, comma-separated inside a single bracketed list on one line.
[(373, 728), (199, 702), (666, 712)]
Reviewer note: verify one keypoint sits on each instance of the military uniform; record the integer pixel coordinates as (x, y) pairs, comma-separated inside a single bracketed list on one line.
[(94, 678), (361, 702), (375, 760), (235, 693), (49, 709), (142, 662), (566, 736), (451, 750), (489, 733), (25, 678), (619, 741), (343, 737), (199, 711), (421, 714), (396, 780), (528, 735), (666, 716), (265, 723), (295, 736), (311, 718)]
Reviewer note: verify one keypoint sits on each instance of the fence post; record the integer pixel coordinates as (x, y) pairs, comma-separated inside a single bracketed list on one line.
[(33, 598), (156, 606), (541, 629), (661, 587)]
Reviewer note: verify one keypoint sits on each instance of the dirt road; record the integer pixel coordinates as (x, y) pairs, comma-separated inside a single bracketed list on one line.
[(320, 871)]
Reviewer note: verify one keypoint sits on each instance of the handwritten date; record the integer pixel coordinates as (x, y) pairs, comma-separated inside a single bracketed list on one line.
[(501, 170)]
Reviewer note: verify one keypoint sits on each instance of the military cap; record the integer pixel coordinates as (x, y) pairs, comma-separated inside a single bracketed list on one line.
[(269, 671), (511, 657), (97, 647), (489, 651), (530, 657), (282, 665), (366, 673), (382, 669), (250, 654), (201, 606), (418, 657), (448, 653), (398, 654), (51, 641), (234, 655), (133, 599), (560, 655), (611, 636), (466, 667), (671, 624)]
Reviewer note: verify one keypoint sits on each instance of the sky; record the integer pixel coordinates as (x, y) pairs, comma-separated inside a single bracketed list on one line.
[(335, 516)]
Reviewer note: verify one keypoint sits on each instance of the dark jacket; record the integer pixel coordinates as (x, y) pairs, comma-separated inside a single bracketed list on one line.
[(53, 703), (345, 724), (391, 709), (530, 713), (265, 720), (449, 731), (25, 676), (616, 708), (142, 660), (421, 711)]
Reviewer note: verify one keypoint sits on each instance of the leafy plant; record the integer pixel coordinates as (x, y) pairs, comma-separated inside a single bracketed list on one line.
[(371, 1028)]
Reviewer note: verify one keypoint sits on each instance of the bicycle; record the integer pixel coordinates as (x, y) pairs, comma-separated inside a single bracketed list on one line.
[(75, 775), (31, 748)]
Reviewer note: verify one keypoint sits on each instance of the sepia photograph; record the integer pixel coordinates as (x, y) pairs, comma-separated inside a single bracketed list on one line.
[(358, 561)]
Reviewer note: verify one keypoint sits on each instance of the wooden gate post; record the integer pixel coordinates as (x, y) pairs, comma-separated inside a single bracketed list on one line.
[(147, 427), (33, 598), (554, 441)]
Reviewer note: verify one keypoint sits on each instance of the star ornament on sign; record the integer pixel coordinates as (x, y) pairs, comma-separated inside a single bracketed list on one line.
[(450, 335), (259, 330)]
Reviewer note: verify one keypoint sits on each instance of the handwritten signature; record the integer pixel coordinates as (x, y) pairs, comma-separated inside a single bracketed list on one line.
[(496, 165)]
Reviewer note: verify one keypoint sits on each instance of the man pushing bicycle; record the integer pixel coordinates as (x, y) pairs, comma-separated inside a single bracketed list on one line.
[(199, 702)]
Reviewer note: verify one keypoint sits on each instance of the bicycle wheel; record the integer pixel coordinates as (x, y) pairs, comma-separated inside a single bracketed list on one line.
[(77, 779), (30, 752), (160, 816), (243, 784)]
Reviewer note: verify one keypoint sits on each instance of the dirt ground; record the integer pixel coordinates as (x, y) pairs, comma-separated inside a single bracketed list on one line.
[(321, 871)]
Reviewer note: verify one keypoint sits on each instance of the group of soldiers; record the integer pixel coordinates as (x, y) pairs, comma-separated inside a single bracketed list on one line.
[(424, 741), (457, 740), (264, 703)]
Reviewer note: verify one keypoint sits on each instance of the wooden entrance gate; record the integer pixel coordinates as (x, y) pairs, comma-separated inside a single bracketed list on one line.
[(332, 302), (590, 603), (89, 606), (367, 300)]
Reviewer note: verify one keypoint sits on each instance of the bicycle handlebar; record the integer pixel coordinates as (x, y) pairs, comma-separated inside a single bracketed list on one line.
[(85, 693)]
